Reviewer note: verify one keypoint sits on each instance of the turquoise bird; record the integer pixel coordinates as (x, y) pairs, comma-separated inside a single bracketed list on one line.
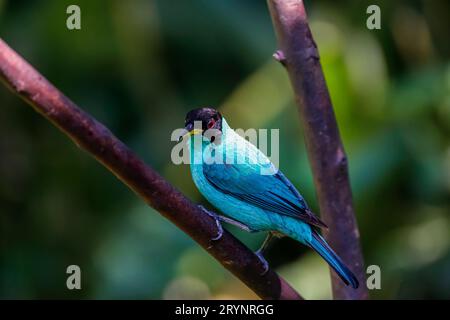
[(241, 182)]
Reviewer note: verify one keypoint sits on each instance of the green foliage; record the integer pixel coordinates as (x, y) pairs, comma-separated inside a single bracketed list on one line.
[(139, 66)]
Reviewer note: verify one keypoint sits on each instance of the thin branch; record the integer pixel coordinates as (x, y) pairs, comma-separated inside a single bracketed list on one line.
[(326, 153), (97, 140)]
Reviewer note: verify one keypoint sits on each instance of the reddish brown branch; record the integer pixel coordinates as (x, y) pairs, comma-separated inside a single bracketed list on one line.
[(326, 153), (98, 141)]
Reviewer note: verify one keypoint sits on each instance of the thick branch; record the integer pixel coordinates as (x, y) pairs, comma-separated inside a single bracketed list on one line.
[(325, 151), (98, 141)]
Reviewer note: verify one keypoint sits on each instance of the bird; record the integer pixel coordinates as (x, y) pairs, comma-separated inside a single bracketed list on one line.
[(245, 186)]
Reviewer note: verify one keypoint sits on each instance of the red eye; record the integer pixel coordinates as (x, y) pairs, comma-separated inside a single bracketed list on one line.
[(211, 123)]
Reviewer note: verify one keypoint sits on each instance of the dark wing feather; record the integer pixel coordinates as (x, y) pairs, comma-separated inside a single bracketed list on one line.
[(274, 193)]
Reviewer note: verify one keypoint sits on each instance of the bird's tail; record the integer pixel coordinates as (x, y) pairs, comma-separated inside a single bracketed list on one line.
[(319, 244)]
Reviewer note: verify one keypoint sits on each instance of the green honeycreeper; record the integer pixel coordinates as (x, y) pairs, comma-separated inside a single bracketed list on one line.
[(240, 181)]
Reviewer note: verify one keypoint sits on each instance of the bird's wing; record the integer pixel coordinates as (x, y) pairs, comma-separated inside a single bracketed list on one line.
[(274, 193)]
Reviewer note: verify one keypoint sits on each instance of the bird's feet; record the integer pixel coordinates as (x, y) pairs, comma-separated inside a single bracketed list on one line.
[(259, 254), (216, 218)]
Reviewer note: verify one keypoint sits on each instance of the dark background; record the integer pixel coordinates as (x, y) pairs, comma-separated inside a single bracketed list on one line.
[(139, 66)]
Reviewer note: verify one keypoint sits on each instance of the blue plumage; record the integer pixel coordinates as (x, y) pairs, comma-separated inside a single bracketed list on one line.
[(228, 171), (319, 244)]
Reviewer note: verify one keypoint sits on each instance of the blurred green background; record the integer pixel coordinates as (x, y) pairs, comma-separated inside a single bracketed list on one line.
[(138, 66)]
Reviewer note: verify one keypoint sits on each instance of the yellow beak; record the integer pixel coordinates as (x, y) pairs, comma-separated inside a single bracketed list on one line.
[(193, 132)]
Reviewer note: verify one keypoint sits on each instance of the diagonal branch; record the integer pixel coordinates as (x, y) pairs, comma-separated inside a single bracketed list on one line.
[(97, 140), (298, 52)]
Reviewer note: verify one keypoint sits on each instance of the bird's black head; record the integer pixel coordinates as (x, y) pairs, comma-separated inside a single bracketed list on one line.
[(209, 117)]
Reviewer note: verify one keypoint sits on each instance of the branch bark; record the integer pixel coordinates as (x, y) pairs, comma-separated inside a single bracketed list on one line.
[(299, 54), (98, 141)]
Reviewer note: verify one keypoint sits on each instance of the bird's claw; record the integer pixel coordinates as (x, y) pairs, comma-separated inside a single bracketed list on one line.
[(264, 262), (218, 224)]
